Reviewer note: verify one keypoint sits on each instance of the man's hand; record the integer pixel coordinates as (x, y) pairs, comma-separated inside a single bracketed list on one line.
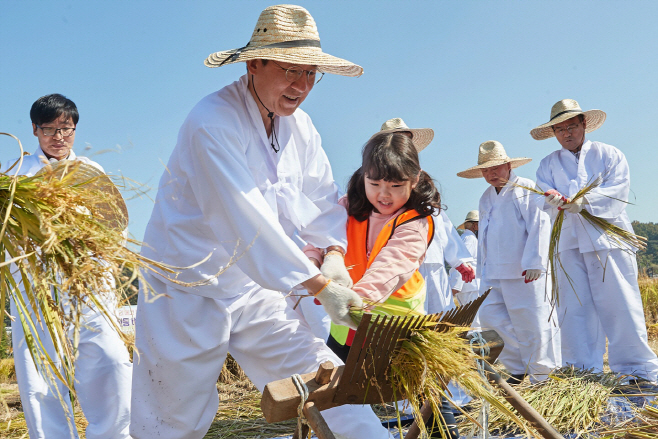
[(467, 272), (337, 301), (574, 206), (554, 198), (531, 275), (333, 268)]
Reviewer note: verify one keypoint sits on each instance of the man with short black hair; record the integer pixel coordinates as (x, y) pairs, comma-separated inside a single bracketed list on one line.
[(606, 301), (102, 368)]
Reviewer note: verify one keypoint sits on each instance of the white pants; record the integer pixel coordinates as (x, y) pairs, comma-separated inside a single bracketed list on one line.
[(519, 312), (102, 382), (313, 315), (600, 308), (183, 340)]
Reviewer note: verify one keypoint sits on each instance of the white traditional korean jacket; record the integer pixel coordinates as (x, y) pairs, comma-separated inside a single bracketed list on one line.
[(562, 171), (228, 197), (33, 163), (456, 283), (446, 246), (514, 231)]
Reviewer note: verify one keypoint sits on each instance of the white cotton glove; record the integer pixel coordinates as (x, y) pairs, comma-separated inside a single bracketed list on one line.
[(574, 206), (334, 268), (337, 301), (531, 275), (554, 198)]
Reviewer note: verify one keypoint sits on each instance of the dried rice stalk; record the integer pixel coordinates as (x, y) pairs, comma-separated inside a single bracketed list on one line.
[(619, 237), (62, 228)]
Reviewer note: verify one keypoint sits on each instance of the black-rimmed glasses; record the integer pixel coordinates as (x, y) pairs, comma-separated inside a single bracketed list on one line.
[(295, 72), (51, 131)]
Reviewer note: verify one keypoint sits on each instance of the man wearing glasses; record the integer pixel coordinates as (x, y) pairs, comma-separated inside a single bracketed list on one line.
[(102, 369), (599, 293), (246, 187)]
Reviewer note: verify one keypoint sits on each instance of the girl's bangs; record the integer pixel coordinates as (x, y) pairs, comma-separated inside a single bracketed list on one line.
[(385, 167)]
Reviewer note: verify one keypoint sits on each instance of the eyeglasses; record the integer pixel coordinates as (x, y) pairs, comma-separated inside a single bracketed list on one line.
[(294, 73), (50, 131), (561, 131)]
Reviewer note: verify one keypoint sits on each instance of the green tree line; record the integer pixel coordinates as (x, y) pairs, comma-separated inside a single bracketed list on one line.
[(648, 259)]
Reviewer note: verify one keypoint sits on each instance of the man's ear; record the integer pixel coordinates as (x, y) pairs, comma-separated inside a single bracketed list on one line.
[(253, 65), (34, 129)]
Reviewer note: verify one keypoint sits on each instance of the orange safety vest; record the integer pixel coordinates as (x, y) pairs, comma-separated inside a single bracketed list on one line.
[(357, 259)]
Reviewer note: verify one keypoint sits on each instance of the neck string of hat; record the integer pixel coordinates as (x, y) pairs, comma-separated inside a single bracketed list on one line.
[(270, 114)]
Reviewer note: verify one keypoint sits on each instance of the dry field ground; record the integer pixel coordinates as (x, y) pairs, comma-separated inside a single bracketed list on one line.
[(239, 415)]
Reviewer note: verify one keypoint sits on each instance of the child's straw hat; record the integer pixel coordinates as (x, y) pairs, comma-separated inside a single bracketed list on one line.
[(491, 154), (420, 137), (565, 110), (286, 33)]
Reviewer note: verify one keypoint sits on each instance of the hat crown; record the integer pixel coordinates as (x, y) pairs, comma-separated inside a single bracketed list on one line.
[(394, 124), (565, 105), (491, 150), (473, 215), (281, 23)]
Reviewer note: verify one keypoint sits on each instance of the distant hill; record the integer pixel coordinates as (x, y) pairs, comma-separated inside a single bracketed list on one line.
[(648, 259)]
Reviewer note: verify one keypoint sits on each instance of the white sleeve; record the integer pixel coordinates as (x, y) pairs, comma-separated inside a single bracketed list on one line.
[(608, 201), (230, 199), (538, 227), (455, 252)]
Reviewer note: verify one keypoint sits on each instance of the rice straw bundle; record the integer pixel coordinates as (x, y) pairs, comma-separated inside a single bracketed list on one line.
[(648, 424), (619, 237), (62, 229), (428, 359), (571, 400)]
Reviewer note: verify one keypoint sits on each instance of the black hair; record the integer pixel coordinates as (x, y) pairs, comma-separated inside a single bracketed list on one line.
[(50, 107), (391, 157)]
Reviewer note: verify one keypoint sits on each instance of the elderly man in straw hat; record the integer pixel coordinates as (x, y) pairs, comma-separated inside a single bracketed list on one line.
[(602, 306), (246, 182), (463, 291), (102, 368), (512, 258)]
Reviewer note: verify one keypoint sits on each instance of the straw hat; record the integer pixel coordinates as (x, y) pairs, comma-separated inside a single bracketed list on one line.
[(286, 33), (491, 154), (113, 215), (565, 110), (471, 217), (420, 137)]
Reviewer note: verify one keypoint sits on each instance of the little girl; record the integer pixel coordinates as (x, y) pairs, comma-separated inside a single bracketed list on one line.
[(390, 203)]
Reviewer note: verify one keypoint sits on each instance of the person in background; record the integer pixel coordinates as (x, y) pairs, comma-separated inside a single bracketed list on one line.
[(512, 255), (606, 302), (103, 369), (465, 292)]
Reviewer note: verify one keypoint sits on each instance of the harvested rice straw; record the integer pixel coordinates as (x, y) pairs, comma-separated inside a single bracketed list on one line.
[(62, 229), (619, 237), (428, 360), (571, 400)]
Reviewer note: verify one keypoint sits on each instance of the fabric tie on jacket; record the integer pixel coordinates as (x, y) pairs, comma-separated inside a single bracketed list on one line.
[(294, 205)]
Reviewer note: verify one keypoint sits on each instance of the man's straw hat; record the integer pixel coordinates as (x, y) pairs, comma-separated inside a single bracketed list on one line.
[(565, 110), (420, 137), (491, 154), (471, 217), (286, 33)]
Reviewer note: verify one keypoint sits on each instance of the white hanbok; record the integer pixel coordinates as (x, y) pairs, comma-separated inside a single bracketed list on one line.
[(102, 370), (229, 197), (601, 306), (468, 291), (513, 237)]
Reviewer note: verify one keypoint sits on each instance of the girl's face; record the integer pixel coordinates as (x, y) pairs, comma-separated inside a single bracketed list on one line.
[(388, 197)]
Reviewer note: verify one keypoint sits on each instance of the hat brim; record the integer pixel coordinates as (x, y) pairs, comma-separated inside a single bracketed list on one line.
[(420, 137), (593, 121), (476, 171), (296, 55)]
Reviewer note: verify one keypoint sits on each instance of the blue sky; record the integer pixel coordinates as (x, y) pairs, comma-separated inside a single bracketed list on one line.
[(471, 70)]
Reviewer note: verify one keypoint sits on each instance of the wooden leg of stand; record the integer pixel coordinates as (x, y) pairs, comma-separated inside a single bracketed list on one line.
[(317, 422), (521, 405), (414, 429), (304, 433)]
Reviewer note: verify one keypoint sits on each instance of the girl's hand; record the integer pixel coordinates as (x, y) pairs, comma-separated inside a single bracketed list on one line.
[(334, 268)]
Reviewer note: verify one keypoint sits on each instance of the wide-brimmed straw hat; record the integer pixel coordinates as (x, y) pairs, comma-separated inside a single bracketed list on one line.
[(286, 33), (491, 154), (471, 217), (565, 110), (420, 137)]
